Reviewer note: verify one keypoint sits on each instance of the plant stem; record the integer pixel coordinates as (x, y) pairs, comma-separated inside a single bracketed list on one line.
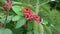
[(44, 3), (40, 26), (37, 7), (5, 18)]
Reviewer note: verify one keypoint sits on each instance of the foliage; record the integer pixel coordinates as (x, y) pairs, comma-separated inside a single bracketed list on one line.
[(13, 19)]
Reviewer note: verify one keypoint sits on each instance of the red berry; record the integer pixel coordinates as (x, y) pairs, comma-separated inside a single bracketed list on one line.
[(28, 15), (27, 10), (37, 18), (8, 5), (5, 6), (31, 17)]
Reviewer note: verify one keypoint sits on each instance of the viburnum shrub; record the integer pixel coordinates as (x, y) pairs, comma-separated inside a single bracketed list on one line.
[(18, 17)]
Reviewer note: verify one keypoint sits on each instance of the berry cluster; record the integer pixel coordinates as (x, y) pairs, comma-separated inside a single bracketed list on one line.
[(8, 5), (29, 16)]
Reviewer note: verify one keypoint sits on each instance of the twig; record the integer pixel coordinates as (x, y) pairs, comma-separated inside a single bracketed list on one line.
[(44, 3), (37, 11), (5, 18), (37, 7)]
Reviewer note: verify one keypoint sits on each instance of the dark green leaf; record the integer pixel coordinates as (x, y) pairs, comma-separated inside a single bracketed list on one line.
[(9, 18), (30, 26), (5, 31), (16, 18), (35, 27), (47, 30), (20, 23), (36, 32), (29, 32)]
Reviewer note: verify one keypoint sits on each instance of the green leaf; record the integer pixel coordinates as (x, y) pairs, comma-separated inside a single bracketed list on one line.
[(2, 1), (35, 27), (29, 32), (2, 20), (5, 31), (1, 15), (9, 18), (44, 22), (41, 29), (38, 28), (1, 8), (36, 32), (30, 26), (16, 18), (17, 9), (20, 23), (47, 30), (14, 2)]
